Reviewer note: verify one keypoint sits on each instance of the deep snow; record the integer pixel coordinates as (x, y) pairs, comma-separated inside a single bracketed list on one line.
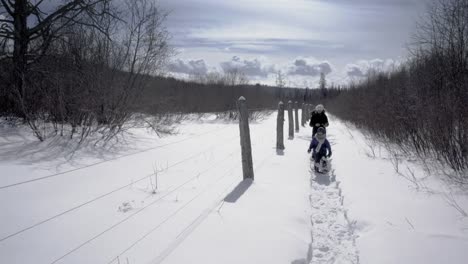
[(202, 212), (396, 222)]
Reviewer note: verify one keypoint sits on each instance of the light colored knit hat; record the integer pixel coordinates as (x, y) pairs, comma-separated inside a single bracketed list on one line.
[(319, 108)]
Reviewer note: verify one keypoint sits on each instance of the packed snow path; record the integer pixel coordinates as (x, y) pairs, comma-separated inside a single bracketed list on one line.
[(333, 239), (102, 209)]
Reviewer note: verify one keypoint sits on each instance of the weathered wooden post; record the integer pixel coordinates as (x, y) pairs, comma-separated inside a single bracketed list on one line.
[(296, 115), (306, 112), (291, 121), (309, 110), (280, 127), (303, 114), (247, 163)]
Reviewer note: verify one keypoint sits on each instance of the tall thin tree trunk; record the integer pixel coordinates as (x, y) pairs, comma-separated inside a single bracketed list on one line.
[(20, 47)]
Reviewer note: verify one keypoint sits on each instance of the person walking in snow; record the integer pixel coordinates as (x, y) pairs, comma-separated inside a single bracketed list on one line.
[(318, 119), (320, 148)]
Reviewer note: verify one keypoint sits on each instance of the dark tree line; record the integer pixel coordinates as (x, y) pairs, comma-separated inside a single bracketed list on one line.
[(77, 64), (423, 106), (172, 95)]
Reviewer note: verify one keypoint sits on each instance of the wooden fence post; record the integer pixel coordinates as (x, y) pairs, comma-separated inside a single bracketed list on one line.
[(291, 121), (296, 115), (303, 114), (280, 127), (247, 163)]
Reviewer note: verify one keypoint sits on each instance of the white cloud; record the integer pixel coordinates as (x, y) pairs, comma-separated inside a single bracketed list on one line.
[(354, 70), (300, 72), (249, 31), (341, 31), (309, 67), (361, 68), (251, 67), (188, 67)]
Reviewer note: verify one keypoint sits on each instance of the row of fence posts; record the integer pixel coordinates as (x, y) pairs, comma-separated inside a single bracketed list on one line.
[(246, 147), (306, 110)]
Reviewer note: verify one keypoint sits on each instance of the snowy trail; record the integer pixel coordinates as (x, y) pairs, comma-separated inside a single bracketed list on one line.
[(204, 213), (333, 238)]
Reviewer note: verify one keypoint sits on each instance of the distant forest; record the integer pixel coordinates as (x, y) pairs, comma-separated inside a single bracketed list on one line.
[(172, 95)]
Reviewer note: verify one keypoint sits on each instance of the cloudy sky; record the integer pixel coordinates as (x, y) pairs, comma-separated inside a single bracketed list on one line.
[(302, 38)]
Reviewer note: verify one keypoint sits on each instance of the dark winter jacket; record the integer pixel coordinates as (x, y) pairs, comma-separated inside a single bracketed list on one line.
[(323, 148), (318, 118)]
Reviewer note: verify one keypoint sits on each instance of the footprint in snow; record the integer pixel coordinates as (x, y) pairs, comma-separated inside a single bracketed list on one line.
[(324, 249), (125, 207)]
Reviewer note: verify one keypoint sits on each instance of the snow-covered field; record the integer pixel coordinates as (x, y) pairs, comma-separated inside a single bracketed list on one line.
[(99, 206)]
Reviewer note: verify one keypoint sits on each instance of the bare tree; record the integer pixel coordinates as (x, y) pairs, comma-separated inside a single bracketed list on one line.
[(280, 79), (233, 77), (421, 106), (82, 62), (29, 31)]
